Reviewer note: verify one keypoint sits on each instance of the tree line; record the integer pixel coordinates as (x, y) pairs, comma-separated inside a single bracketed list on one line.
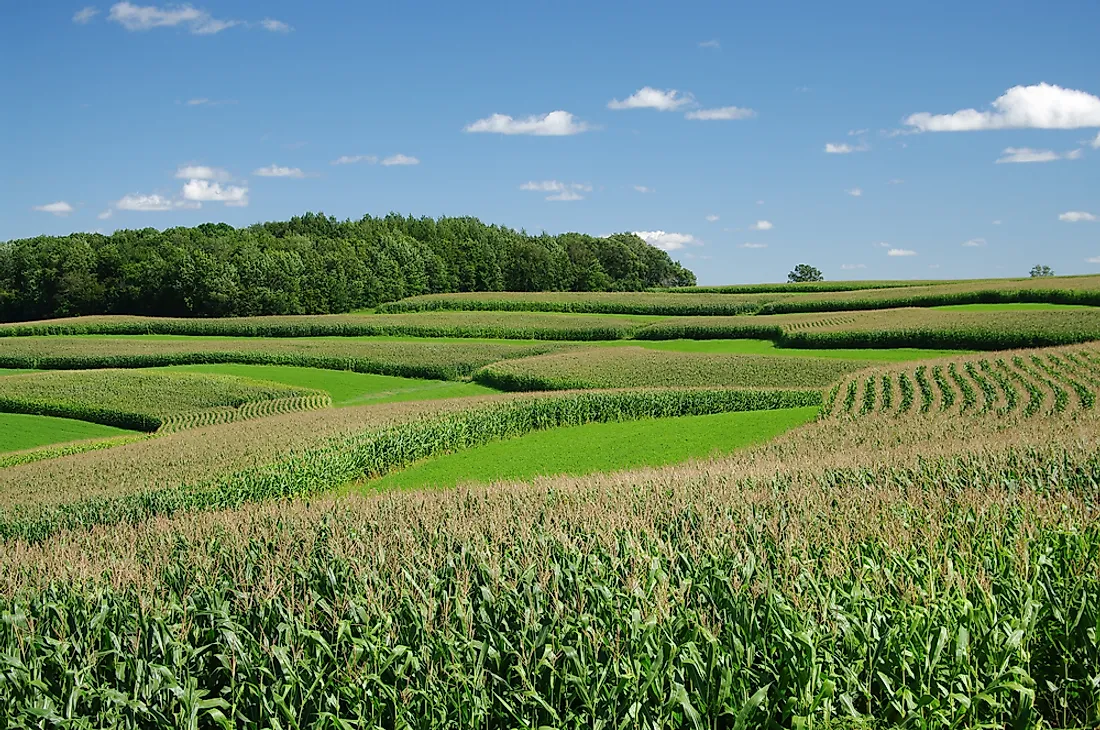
[(310, 264)]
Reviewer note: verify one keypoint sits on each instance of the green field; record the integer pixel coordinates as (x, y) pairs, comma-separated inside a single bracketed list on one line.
[(767, 347), (607, 447), (1010, 307), (346, 388), (20, 431)]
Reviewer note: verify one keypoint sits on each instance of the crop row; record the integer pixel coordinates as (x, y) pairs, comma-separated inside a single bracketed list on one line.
[(1057, 380), (254, 409), (54, 451), (378, 451), (582, 302), (134, 399), (955, 592)]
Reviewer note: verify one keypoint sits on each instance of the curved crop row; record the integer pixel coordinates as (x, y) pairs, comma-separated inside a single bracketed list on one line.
[(254, 409), (1053, 380)]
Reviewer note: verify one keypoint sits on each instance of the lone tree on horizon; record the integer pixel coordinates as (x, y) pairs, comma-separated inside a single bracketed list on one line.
[(805, 272), (1039, 271)]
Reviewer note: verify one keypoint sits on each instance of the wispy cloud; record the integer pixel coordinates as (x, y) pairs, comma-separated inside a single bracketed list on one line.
[(1077, 216), (203, 101), (762, 226), (1093, 260), (1040, 106), (854, 192), (843, 148), (997, 222), (668, 241), (1026, 154), (710, 44), (643, 189), (277, 171), (753, 245), (901, 252), (555, 124), (559, 191), (353, 159), (85, 15), (895, 181), (151, 203), (974, 242), (665, 100), (146, 17), (712, 218), (852, 267), (1095, 144), (60, 208), (400, 159), (721, 113), (275, 26)]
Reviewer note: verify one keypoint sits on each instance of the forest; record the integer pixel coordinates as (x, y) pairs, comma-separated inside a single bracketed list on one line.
[(310, 264)]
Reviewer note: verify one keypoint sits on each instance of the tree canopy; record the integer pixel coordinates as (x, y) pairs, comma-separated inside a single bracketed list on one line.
[(805, 272), (310, 264), (1039, 270)]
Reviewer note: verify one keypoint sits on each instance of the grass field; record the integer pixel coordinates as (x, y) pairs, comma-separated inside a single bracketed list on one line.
[(19, 431), (346, 388), (607, 447)]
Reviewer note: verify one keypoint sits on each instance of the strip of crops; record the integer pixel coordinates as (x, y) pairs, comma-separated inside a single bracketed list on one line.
[(376, 452), (1030, 382), (16, 458), (860, 597), (434, 360), (808, 286), (625, 367), (517, 326), (580, 302), (133, 399), (255, 409)]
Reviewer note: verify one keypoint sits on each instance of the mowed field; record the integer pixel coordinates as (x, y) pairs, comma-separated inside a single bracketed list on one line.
[(853, 504)]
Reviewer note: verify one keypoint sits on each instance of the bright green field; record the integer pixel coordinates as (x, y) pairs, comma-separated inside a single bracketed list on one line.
[(599, 447), (14, 371), (19, 431), (346, 388), (1011, 307)]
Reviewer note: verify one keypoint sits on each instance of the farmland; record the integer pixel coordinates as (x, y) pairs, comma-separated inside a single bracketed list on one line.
[(560, 509)]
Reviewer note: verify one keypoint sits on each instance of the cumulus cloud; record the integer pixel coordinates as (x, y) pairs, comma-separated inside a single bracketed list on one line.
[(721, 113), (149, 203), (974, 242), (854, 192), (277, 171), (275, 26), (843, 148), (1040, 106), (643, 189), (555, 124), (901, 252), (559, 191), (204, 191), (712, 218), (667, 241), (852, 267), (353, 159), (1026, 154), (1077, 216), (85, 15), (146, 17), (761, 226), (60, 208), (400, 159), (754, 245), (202, 172), (665, 100)]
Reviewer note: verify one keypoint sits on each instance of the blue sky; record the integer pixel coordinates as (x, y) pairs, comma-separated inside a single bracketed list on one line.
[(704, 125)]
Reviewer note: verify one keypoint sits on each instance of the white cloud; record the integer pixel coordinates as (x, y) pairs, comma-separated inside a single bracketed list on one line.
[(1093, 260), (721, 113), (761, 226), (277, 171), (712, 218), (275, 26), (647, 97), (400, 159), (559, 191), (1095, 144), (883, 244), (1041, 106), (852, 267), (106, 214), (146, 17), (85, 15), (202, 172), (974, 242), (60, 208), (204, 191), (901, 252), (353, 159), (843, 148), (555, 124), (148, 203), (643, 189), (854, 192), (710, 44), (1077, 216), (198, 102), (668, 241), (857, 132), (1026, 154), (754, 245)]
